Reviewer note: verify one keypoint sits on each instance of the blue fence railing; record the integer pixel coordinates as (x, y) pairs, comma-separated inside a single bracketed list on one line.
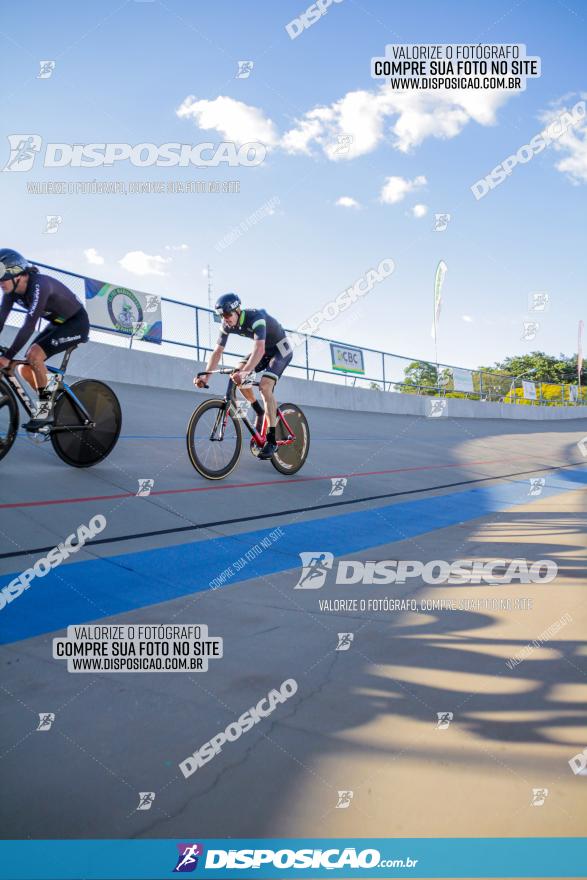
[(193, 327)]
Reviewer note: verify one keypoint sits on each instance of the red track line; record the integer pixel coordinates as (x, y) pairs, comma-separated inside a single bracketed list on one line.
[(423, 467)]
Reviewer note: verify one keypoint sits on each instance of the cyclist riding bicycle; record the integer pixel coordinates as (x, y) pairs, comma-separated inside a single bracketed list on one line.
[(267, 357), (43, 297)]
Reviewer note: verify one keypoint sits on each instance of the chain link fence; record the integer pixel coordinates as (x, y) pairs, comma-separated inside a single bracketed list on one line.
[(190, 327)]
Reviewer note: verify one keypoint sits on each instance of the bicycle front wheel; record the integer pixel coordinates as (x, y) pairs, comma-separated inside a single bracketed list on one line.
[(214, 440), (83, 447), (289, 459), (8, 418)]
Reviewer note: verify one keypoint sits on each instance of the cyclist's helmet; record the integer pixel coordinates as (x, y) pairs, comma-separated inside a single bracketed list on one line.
[(227, 303), (12, 264)]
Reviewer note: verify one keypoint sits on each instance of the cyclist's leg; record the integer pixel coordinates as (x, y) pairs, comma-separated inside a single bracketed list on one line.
[(247, 392), (34, 371), (276, 365), (266, 388), (54, 339)]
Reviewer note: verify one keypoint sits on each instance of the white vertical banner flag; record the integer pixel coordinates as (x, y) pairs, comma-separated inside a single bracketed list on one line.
[(438, 282), (580, 351)]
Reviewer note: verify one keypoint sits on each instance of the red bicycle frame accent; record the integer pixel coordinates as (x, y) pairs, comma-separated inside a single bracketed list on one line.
[(261, 438)]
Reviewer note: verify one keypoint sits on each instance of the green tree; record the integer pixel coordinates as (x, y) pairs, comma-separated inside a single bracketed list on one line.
[(418, 376), (542, 367)]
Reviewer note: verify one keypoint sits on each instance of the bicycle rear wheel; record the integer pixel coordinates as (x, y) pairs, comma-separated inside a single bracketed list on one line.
[(8, 418), (289, 459), (213, 458), (84, 447)]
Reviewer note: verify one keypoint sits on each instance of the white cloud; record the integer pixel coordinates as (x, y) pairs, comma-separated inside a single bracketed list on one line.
[(298, 140), (177, 247), (347, 202), (93, 257), (140, 263), (467, 318), (235, 120), (419, 211), (411, 117), (573, 142), (396, 188), (356, 123)]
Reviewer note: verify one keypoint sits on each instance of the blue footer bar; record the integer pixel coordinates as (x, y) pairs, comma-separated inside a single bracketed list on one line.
[(271, 858)]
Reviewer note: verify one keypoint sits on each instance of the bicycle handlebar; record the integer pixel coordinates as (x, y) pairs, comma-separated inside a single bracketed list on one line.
[(5, 370), (14, 362), (223, 370)]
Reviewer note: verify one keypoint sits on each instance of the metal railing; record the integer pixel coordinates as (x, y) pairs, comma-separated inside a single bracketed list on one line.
[(195, 328)]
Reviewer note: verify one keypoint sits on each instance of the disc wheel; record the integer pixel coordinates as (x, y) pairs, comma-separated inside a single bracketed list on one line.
[(8, 418), (289, 459), (86, 447), (213, 459)]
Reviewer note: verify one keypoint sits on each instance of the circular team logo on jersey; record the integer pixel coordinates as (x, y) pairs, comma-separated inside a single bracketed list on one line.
[(124, 309)]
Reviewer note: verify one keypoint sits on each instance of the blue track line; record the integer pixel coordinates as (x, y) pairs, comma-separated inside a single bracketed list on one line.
[(86, 591)]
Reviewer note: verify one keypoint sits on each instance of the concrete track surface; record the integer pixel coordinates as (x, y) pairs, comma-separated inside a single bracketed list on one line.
[(363, 720)]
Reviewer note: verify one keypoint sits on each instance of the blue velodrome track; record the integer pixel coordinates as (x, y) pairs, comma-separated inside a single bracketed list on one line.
[(136, 579), (362, 719)]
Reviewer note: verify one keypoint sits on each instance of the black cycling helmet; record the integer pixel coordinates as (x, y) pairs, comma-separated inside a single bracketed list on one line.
[(227, 303), (12, 264)]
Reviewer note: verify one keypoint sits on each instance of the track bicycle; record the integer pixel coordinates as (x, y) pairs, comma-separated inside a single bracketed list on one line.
[(86, 417), (215, 436)]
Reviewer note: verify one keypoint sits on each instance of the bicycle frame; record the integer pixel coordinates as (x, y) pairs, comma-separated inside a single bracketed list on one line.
[(27, 404), (231, 402)]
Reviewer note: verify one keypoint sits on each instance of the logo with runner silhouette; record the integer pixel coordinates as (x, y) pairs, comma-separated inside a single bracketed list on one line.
[(315, 567), (46, 720), (146, 799), (189, 853), (23, 151), (46, 69)]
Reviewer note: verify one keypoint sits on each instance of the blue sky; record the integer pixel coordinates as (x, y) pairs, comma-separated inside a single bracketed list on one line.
[(123, 70)]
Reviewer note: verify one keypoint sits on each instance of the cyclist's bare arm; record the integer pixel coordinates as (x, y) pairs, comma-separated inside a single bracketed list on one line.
[(213, 362), (254, 357)]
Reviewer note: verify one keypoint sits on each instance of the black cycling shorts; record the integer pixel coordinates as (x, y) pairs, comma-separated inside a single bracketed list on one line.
[(273, 363), (58, 337)]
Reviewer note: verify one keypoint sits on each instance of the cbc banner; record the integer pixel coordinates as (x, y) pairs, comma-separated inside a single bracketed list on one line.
[(346, 359), (118, 309)]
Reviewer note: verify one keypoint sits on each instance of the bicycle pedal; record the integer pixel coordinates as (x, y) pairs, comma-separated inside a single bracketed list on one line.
[(38, 436)]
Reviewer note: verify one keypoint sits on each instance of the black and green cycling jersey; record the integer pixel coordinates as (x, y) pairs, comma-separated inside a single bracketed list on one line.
[(255, 324)]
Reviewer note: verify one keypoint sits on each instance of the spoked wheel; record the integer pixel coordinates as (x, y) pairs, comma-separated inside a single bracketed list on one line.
[(86, 446), (214, 458), (8, 418), (289, 459)]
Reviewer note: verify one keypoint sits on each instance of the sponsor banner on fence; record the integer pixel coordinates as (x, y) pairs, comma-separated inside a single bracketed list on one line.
[(347, 359), (529, 390), (118, 309), (462, 379)]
